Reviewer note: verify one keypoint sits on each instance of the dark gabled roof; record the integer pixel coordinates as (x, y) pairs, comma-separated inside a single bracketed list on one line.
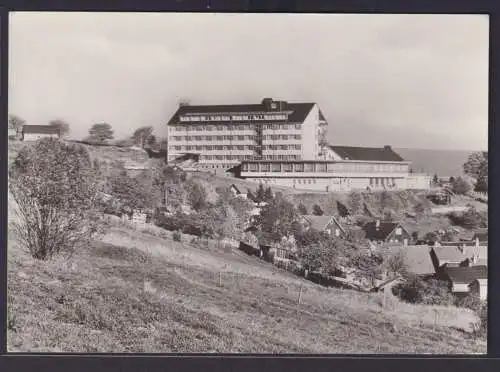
[(380, 233), (40, 129), (366, 153), (319, 222), (298, 115), (466, 275), (482, 235)]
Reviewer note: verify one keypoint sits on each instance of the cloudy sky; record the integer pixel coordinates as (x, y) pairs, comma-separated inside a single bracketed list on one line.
[(406, 80)]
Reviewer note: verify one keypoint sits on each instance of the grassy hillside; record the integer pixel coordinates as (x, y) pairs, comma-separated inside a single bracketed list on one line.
[(134, 292), (445, 163)]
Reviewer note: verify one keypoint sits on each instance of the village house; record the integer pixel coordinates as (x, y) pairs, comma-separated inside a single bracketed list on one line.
[(460, 278), (327, 224), (378, 232), (479, 288), (481, 237), (459, 255), (417, 258), (36, 132)]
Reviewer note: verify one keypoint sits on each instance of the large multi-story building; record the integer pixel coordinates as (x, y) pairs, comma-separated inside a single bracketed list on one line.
[(341, 168), (225, 135)]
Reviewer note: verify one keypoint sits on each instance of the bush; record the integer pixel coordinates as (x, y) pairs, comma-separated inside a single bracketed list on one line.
[(431, 292), (302, 209), (471, 219), (176, 236), (317, 211), (461, 186), (470, 302), (55, 187)]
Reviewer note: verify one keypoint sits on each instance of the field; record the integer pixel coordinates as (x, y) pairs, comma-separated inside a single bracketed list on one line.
[(136, 290)]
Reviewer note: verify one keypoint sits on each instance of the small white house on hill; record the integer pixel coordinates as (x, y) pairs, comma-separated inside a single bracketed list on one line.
[(36, 132)]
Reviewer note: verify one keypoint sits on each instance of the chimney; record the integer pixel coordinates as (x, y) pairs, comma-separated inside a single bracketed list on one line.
[(377, 224)]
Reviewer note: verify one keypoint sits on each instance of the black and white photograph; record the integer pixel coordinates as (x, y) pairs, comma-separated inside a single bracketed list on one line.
[(247, 183)]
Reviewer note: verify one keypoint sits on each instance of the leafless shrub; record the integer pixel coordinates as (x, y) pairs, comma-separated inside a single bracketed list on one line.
[(54, 185)]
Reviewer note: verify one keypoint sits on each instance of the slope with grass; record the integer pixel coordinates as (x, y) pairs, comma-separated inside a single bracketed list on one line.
[(133, 291)]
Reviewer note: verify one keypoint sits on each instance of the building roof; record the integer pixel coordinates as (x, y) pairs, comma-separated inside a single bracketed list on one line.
[(466, 275), (318, 222), (448, 254), (366, 153), (417, 258), (480, 281), (482, 235), (299, 111), (40, 129), (380, 233)]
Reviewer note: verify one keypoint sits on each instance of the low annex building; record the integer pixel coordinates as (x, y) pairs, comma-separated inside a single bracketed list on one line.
[(339, 168)]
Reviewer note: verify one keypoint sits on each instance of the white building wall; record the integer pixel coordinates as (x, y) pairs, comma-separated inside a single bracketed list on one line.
[(37, 136), (310, 140), (418, 182)]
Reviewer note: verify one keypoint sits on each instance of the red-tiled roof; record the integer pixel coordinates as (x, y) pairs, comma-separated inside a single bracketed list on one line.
[(366, 153), (40, 129), (299, 111)]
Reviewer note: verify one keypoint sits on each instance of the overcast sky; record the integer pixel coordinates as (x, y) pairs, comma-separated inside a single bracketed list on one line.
[(405, 80)]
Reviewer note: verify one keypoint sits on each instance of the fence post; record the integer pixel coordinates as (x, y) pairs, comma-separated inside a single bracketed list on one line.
[(300, 295), (220, 278)]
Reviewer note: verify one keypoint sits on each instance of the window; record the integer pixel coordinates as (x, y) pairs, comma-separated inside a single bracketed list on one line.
[(309, 167), (299, 167), (298, 147), (250, 137), (230, 138), (253, 167), (298, 136), (275, 137), (321, 167), (220, 127), (244, 167), (209, 128), (199, 148), (240, 147), (229, 147), (229, 127), (208, 157), (276, 167), (220, 138), (199, 128), (399, 231), (284, 137), (284, 126), (209, 148), (178, 147), (250, 147), (188, 148), (208, 138), (298, 126), (188, 138), (198, 138), (265, 167), (229, 157), (288, 167), (241, 138), (218, 147)]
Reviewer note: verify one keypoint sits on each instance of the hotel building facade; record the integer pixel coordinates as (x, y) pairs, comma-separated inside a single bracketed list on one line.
[(225, 135), (342, 168)]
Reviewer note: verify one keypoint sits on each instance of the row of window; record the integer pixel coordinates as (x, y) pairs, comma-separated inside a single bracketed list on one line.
[(230, 127), (376, 182), (234, 147), (319, 167), (233, 117), (273, 137), (248, 157)]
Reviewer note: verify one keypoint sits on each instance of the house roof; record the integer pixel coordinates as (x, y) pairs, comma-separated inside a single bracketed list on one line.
[(366, 153), (417, 258), (448, 254), (318, 222), (466, 275), (299, 111), (480, 281), (482, 235), (380, 233), (235, 188), (40, 129)]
